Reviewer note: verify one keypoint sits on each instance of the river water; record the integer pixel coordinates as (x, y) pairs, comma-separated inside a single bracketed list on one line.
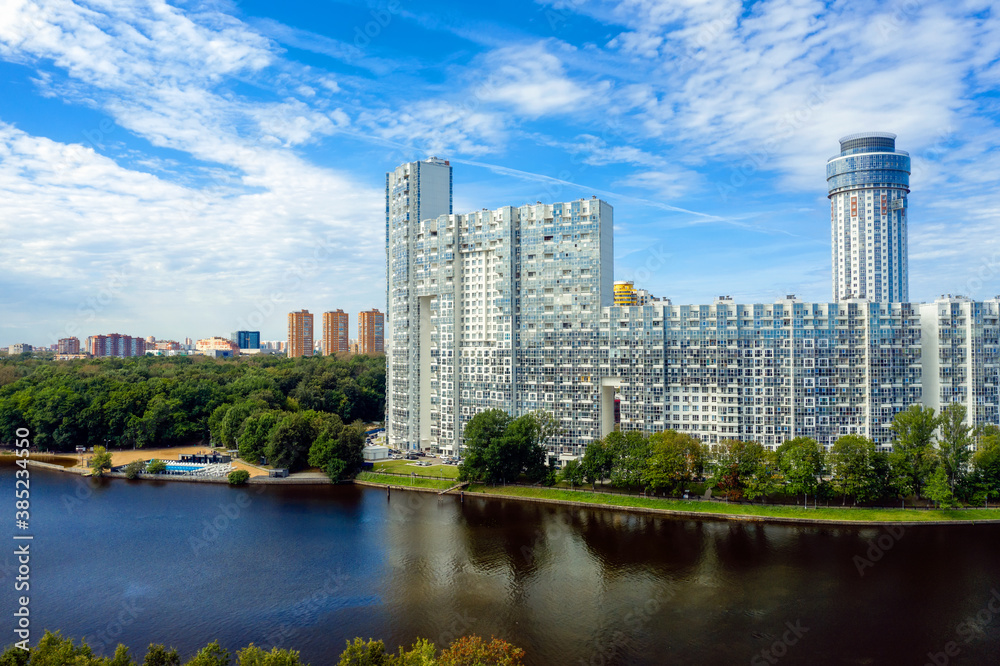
[(310, 567)]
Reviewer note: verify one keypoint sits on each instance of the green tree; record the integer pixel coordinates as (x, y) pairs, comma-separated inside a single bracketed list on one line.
[(572, 473), (254, 656), (939, 488), (134, 469), (364, 653), (597, 462), (290, 441), (54, 650), (986, 467), (743, 469), (158, 655), (912, 458), (629, 452), (256, 433), (338, 450), (156, 467), (954, 444), (483, 435), (100, 462), (859, 470), (675, 460), (238, 477), (801, 463), (421, 653), (212, 654)]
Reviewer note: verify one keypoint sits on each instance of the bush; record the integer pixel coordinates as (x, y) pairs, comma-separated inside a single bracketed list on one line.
[(134, 469), (238, 477), (156, 467)]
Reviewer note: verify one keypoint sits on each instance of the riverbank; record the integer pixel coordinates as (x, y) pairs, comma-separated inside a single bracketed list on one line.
[(701, 509), (741, 512)]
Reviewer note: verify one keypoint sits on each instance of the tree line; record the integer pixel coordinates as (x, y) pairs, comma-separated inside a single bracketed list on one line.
[(54, 650), (932, 458), (145, 402)]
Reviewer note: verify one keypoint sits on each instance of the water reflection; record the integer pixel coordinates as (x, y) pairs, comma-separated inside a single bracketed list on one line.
[(310, 567)]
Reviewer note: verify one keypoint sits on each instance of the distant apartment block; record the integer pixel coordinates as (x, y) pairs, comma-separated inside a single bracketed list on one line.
[(371, 332), (300, 334), (20, 348), (246, 339), (217, 346), (336, 332), (68, 346), (115, 344)]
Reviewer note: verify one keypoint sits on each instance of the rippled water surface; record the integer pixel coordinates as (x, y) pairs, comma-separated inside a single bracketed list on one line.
[(309, 567)]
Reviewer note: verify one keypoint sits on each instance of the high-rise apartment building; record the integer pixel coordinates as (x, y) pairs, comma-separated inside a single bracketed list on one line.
[(497, 301), (867, 186), (961, 356), (116, 344), (413, 192), (68, 346), (336, 332), (300, 334), (371, 332), (246, 339)]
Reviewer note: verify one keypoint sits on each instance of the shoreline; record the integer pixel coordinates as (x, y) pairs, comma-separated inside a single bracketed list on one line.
[(690, 514)]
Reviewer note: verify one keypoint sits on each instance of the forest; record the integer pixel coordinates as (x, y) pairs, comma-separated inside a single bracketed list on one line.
[(147, 402)]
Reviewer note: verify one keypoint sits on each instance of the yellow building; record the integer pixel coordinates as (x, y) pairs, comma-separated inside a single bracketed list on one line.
[(300, 334), (625, 293)]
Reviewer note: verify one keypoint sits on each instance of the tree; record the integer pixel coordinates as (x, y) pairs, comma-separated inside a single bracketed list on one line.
[(54, 650), (339, 449), (801, 463), (290, 441), (100, 462), (256, 433), (629, 453), (675, 460), (986, 467), (939, 488), (364, 653), (572, 473), (420, 654), (912, 459), (859, 470), (473, 651), (134, 469), (597, 462), (211, 655), (238, 477), (158, 655), (954, 443), (254, 656), (156, 467), (743, 469)]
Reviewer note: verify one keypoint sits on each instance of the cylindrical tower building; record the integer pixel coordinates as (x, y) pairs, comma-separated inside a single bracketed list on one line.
[(868, 183)]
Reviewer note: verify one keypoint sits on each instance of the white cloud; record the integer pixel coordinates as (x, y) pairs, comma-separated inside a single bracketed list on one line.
[(532, 80)]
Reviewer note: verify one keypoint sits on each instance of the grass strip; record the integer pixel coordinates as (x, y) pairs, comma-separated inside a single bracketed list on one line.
[(764, 511), (411, 481), (406, 467)]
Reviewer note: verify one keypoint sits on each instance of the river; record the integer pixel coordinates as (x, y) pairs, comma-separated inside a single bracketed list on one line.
[(309, 567)]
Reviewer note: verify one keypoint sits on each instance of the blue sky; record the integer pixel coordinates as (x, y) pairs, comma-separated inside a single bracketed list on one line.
[(191, 168)]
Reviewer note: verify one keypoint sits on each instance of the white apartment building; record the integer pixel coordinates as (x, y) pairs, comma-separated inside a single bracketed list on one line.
[(868, 183), (961, 356)]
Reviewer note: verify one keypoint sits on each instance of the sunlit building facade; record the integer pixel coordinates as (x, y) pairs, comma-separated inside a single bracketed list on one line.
[(868, 184)]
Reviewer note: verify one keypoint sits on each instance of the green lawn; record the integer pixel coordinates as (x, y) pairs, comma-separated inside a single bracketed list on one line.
[(416, 482), (407, 467), (822, 513)]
